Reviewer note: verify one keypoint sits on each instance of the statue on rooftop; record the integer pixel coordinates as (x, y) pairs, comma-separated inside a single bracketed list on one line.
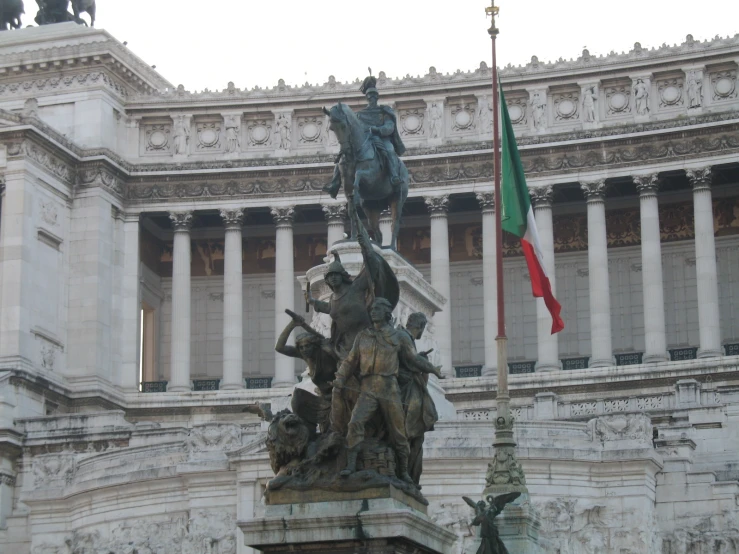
[(10, 14), (368, 165), (56, 11)]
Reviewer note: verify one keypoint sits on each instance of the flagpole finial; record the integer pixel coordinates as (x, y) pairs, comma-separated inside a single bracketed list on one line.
[(492, 11)]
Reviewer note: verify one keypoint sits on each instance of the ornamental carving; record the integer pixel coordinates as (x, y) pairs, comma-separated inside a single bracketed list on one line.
[(156, 137), (181, 135), (258, 132), (571, 233), (213, 437), (98, 176), (699, 177), (618, 99), (283, 126), (436, 119), (485, 114), (595, 190), (335, 213), (209, 135), (48, 212), (56, 469), (517, 109), (81, 80), (646, 184), (695, 89), (283, 215), (486, 200), (232, 218), (670, 92), (566, 105), (642, 88), (181, 221), (411, 121), (463, 117), (621, 427), (542, 196), (723, 84), (310, 129), (437, 205), (39, 155), (232, 123)]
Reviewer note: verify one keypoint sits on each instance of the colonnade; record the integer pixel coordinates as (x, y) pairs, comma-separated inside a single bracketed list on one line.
[(601, 354)]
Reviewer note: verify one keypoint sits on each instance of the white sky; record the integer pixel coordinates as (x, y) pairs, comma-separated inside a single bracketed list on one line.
[(255, 42)]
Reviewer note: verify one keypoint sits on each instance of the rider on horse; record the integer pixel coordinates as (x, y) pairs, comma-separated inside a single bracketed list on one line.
[(382, 122)]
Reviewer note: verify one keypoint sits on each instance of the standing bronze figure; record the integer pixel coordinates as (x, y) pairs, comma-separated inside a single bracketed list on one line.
[(485, 515)]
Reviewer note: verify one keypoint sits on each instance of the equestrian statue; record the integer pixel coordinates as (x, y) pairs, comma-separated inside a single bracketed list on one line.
[(10, 14), (56, 11), (368, 166)]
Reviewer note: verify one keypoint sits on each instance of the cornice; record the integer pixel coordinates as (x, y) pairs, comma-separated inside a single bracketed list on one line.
[(583, 65)]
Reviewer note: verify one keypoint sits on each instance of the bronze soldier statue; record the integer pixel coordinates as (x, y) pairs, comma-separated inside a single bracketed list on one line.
[(420, 411), (383, 125), (376, 356)]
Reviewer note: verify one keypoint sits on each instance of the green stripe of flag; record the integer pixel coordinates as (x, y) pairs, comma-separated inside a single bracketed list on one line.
[(515, 194)]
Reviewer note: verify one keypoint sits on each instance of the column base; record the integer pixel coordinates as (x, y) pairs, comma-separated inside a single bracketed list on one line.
[(710, 353), (232, 386), (602, 363), (656, 358), (548, 366)]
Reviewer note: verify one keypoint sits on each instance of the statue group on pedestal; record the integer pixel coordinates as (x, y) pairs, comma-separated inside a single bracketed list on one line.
[(49, 11), (364, 426)]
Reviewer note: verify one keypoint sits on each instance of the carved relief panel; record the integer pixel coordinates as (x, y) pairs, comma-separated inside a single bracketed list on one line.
[(566, 105), (258, 130), (670, 91), (517, 103), (617, 98), (723, 84), (208, 135), (462, 116), (156, 138), (310, 130), (412, 120)]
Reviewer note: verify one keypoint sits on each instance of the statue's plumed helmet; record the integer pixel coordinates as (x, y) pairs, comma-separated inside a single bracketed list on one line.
[(369, 85)]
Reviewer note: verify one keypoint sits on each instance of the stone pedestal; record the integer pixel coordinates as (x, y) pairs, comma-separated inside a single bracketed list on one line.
[(519, 528), (416, 295), (390, 523)]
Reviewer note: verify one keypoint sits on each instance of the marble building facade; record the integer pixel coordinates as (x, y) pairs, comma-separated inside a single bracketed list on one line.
[(151, 239)]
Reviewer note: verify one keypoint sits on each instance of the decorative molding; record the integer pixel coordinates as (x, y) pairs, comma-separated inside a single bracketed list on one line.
[(646, 185), (232, 218), (437, 205), (486, 200), (283, 215), (58, 84), (699, 177), (181, 221), (334, 213), (594, 190), (542, 197)]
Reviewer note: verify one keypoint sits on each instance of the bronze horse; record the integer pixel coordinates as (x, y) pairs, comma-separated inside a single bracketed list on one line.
[(56, 11), (365, 178), (10, 14)]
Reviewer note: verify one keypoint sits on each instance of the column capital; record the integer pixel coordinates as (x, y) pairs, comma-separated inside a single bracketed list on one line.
[(283, 215), (232, 219), (647, 185), (594, 191), (334, 213), (181, 221), (699, 177), (542, 197), (437, 205), (486, 200)]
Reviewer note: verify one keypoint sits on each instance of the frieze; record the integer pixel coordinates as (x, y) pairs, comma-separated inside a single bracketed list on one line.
[(98, 176), (67, 82), (45, 159)]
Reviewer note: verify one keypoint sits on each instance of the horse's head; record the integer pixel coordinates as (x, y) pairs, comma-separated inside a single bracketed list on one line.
[(344, 123)]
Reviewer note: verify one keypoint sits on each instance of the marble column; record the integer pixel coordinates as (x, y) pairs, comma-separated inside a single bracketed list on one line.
[(651, 261), (440, 278), (601, 350), (130, 305), (181, 261), (547, 343), (233, 302), (489, 282), (705, 263), (336, 218), (284, 289), (386, 227)]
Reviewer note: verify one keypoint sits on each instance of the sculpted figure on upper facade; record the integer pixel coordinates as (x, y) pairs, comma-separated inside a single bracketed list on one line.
[(436, 115), (283, 131), (641, 97), (368, 165), (695, 90), (485, 114), (485, 514), (10, 14), (420, 411), (181, 135), (539, 111), (588, 104), (233, 142)]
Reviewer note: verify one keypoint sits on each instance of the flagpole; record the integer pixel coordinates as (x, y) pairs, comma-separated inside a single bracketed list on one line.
[(504, 472)]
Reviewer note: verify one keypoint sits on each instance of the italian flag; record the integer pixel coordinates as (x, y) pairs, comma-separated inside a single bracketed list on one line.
[(517, 217)]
